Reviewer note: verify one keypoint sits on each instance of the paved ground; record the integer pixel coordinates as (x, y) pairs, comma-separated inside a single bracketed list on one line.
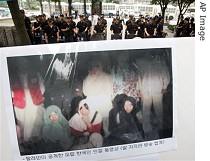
[(6, 22)]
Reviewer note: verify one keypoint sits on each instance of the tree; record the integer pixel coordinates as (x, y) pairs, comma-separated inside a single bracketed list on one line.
[(70, 7), (85, 6), (183, 6), (50, 10), (18, 20), (163, 5), (96, 6), (59, 5), (41, 6)]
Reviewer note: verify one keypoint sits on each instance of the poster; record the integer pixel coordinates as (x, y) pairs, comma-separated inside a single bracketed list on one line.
[(101, 100)]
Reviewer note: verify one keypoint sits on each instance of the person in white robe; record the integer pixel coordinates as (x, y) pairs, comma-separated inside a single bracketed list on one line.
[(98, 87), (154, 78)]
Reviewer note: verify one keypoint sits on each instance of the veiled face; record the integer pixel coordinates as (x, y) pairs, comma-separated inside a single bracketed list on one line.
[(84, 110), (54, 117), (95, 69), (128, 106)]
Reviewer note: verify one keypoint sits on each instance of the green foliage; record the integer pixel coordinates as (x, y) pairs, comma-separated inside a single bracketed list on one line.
[(171, 17), (172, 27), (163, 2), (183, 2), (155, 1)]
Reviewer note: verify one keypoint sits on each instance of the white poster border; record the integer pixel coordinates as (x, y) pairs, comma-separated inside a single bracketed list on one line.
[(142, 148)]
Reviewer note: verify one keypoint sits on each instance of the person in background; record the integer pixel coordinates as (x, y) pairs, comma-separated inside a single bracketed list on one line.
[(98, 32), (131, 30), (179, 26), (150, 29), (86, 126), (69, 29), (141, 25), (89, 24), (116, 28), (37, 31), (82, 29), (104, 25), (44, 24), (160, 33), (60, 24), (185, 28), (51, 33)]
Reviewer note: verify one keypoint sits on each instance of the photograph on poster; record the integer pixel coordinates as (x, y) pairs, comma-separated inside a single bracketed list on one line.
[(94, 99)]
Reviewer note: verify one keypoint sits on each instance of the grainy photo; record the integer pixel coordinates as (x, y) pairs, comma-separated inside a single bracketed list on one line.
[(84, 100)]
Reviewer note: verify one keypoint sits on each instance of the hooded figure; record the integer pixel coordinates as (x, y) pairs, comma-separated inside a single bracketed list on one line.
[(125, 130), (56, 129), (86, 125)]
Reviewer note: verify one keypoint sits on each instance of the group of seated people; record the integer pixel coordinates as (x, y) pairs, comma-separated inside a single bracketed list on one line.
[(84, 130)]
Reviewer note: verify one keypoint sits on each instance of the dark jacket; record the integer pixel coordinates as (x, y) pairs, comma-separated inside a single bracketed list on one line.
[(126, 130)]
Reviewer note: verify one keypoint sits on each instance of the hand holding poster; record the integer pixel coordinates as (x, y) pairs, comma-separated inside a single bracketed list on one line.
[(94, 100)]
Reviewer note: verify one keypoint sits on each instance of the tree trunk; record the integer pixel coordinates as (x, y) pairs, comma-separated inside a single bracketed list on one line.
[(100, 10), (178, 19), (96, 7), (50, 10), (59, 6), (41, 6), (69, 7), (163, 13), (19, 22), (85, 11), (55, 7)]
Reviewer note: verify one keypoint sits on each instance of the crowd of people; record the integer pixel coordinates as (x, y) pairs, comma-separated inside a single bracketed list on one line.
[(64, 29), (103, 108), (150, 27), (186, 27), (67, 29)]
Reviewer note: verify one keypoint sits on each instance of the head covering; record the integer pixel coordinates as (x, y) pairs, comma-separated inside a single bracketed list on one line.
[(56, 131), (82, 102), (75, 104), (22, 11), (77, 123), (132, 100), (118, 101)]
